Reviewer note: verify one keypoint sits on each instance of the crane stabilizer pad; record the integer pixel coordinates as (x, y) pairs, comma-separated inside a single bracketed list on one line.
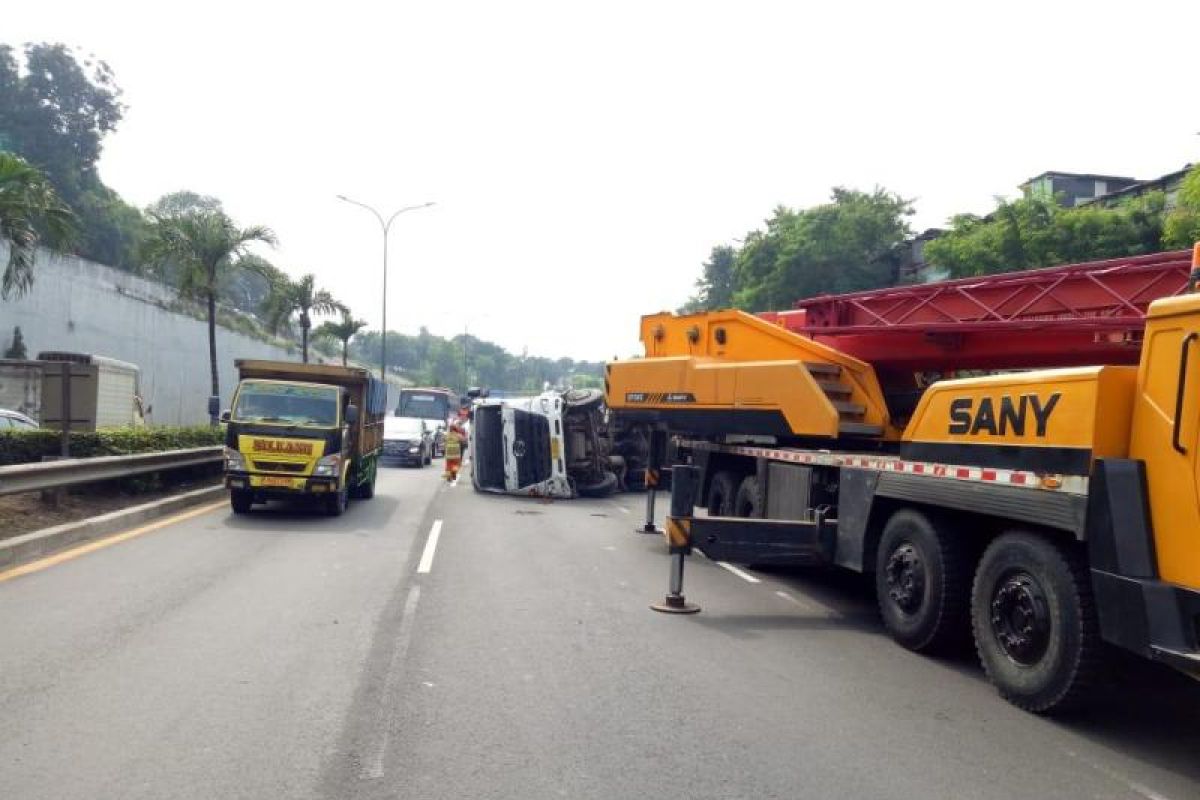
[(679, 535), (675, 604)]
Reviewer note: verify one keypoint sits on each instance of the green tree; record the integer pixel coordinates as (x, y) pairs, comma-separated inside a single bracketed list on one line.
[(841, 246), (301, 298), (1038, 232), (207, 246), (31, 214), (55, 113), (343, 331), (715, 287), (1182, 226), (176, 204)]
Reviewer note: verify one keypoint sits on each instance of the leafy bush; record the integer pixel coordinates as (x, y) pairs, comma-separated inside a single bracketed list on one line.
[(24, 447)]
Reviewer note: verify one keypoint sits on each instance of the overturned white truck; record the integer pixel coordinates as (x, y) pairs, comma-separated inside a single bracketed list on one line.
[(557, 444)]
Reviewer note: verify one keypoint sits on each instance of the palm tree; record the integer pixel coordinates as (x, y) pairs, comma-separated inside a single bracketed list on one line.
[(31, 213), (207, 246), (302, 298), (343, 331)]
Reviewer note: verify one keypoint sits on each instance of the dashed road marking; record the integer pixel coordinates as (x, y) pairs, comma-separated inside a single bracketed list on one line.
[(804, 603), (746, 576), (431, 544), (373, 769)]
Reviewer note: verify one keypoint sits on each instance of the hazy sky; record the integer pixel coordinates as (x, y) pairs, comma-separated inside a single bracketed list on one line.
[(585, 157)]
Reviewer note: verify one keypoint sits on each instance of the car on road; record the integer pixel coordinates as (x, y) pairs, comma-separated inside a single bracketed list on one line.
[(407, 440), (15, 421), (437, 406)]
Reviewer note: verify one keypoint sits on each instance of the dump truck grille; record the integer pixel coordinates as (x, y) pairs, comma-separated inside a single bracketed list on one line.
[(279, 466)]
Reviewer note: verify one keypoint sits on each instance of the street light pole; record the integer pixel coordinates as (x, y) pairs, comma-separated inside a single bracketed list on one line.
[(385, 227)]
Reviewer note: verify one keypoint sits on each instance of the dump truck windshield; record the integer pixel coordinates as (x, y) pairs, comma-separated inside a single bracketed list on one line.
[(426, 405), (287, 404)]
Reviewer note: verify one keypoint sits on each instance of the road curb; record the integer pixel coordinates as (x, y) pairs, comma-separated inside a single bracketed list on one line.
[(36, 544)]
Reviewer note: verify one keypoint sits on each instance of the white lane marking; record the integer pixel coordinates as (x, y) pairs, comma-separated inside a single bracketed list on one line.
[(811, 603), (624, 510), (812, 608), (374, 766), (746, 576), (1134, 786), (431, 543)]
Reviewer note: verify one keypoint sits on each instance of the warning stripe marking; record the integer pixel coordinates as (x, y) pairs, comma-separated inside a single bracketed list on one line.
[(1071, 484), (679, 531)]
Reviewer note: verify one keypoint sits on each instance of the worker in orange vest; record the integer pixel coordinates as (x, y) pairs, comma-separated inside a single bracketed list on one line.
[(455, 442)]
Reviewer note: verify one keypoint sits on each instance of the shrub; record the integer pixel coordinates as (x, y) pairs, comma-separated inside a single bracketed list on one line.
[(24, 447)]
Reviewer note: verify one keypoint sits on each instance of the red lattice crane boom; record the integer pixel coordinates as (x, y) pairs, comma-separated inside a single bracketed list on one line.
[(1073, 315)]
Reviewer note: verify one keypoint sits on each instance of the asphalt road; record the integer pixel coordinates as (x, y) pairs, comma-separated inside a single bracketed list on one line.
[(284, 655)]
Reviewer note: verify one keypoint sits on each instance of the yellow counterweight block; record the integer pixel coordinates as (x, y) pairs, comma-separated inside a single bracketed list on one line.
[(1048, 421)]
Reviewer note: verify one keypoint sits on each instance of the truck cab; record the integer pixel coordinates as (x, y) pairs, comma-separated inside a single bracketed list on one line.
[(551, 445)]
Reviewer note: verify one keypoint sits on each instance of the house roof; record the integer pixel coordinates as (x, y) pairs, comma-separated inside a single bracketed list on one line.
[(1081, 175)]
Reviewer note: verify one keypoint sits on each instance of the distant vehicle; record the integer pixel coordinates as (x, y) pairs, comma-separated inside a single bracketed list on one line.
[(105, 392), (15, 421), (552, 445), (434, 405), (407, 440)]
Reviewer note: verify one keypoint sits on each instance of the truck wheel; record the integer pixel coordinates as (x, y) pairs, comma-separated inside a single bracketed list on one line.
[(365, 490), (749, 501), (241, 501), (601, 488), (1035, 624), (583, 398), (923, 583), (336, 503), (722, 493)]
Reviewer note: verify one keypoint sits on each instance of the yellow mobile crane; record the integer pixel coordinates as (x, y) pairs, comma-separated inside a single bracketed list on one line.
[(1045, 512)]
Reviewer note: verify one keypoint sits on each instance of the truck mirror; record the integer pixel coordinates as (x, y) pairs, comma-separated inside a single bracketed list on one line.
[(214, 406), (351, 415), (225, 415)]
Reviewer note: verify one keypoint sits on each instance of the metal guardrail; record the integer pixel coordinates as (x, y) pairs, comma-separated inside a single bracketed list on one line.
[(18, 478)]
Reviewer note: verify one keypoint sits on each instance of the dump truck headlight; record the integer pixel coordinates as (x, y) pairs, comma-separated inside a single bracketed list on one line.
[(234, 461), (329, 466)]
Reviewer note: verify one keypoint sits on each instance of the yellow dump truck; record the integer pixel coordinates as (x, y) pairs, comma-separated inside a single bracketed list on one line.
[(303, 431), (1044, 512)]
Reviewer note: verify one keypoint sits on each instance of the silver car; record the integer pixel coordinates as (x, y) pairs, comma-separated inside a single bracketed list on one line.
[(15, 421)]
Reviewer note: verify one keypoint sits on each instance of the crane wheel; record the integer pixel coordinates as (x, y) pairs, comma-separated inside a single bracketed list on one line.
[(749, 501), (923, 583), (722, 493), (1035, 623)]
